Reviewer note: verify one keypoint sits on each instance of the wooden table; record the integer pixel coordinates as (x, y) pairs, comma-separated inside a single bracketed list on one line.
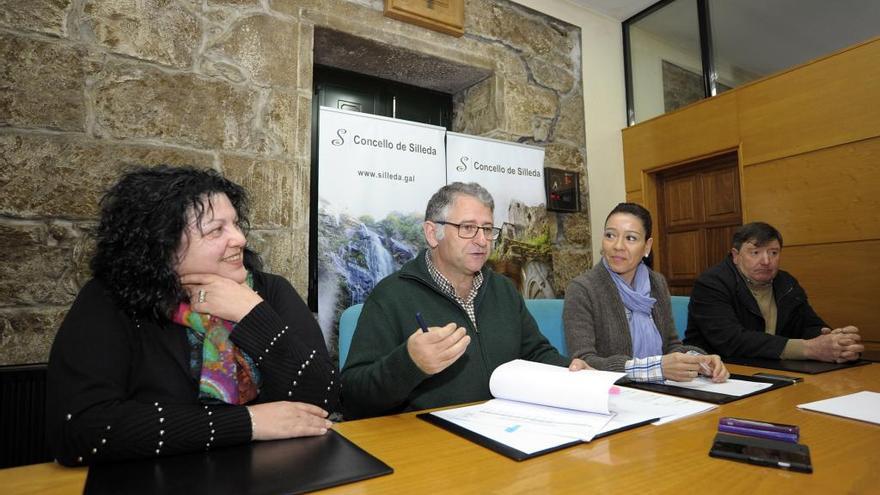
[(651, 459)]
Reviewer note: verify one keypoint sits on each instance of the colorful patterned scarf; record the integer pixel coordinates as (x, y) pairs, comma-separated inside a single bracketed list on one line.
[(228, 374)]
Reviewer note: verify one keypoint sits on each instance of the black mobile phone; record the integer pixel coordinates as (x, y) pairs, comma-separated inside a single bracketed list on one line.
[(763, 452), (786, 378)]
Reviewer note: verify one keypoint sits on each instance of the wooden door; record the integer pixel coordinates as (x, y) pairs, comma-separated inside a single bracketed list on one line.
[(698, 211)]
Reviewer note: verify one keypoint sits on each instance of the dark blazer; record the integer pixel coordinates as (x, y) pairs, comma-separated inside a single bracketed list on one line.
[(120, 387), (724, 318)]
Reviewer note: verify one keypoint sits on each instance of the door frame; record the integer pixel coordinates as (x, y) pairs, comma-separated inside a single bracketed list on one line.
[(650, 180)]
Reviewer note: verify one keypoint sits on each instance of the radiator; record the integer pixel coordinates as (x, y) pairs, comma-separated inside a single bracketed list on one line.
[(23, 415)]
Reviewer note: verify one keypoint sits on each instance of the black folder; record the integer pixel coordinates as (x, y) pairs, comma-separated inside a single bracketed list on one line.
[(283, 466), (507, 450), (796, 366), (702, 395)]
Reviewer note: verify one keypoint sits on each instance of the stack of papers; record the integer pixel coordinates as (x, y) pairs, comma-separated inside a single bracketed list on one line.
[(539, 407)]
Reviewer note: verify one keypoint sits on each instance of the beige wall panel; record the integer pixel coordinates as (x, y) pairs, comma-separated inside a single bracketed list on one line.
[(841, 282), (825, 103), (824, 196), (696, 130)]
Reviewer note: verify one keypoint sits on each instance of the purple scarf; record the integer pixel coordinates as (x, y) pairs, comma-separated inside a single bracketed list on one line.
[(646, 339)]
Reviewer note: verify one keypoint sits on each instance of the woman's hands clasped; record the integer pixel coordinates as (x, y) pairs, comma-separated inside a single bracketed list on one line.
[(682, 367), (219, 296)]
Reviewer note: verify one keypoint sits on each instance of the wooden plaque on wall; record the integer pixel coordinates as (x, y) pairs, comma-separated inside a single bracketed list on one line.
[(446, 16)]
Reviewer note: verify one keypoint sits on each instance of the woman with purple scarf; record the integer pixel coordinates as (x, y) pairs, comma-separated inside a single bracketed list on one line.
[(180, 342), (618, 315)]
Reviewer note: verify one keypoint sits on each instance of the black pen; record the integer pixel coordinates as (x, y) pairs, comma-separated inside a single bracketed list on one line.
[(421, 322)]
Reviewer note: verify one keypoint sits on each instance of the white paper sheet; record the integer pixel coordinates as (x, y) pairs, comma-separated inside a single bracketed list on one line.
[(555, 386), (545, 419), (634, 406), (526, 427), (733, 387), (863, 406), (520, 439)]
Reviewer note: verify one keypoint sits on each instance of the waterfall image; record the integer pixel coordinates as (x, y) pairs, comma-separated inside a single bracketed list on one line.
[(355, 254)]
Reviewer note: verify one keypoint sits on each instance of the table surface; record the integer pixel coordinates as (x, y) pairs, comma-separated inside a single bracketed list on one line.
[(668, 458)]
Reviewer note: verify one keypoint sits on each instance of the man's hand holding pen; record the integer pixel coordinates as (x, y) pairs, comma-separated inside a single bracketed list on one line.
[(438, 347)]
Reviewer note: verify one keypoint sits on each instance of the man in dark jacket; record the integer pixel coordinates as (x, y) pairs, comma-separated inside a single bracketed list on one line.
[(474, 319), (746, 306)]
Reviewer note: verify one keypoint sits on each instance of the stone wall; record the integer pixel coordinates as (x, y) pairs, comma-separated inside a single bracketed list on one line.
[(89, 87)]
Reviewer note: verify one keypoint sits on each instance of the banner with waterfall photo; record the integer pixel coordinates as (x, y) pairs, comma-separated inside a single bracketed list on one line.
[(514, 174), (375, 177)]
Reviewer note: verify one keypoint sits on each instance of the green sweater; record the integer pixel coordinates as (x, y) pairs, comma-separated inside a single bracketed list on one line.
[(380, 377)]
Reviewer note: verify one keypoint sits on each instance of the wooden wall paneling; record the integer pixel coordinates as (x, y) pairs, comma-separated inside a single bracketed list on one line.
[(808, 149), (830, 195), (743, 189), (697, 130), (721, 194), (824, 103), (680, 291), (682, 199), (841, 282), (719, 240), (649, 201), (684, 258), (635, 197)]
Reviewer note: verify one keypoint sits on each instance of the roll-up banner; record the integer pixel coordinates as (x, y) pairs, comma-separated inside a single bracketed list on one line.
[(514, 174), (375, 176)]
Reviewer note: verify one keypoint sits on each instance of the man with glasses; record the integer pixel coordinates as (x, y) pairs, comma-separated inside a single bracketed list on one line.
[(472, 319)]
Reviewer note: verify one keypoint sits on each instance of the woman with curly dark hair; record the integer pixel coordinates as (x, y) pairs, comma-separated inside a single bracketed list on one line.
[(180, 342)]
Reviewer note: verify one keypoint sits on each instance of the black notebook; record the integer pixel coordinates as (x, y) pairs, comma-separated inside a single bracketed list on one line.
[(283, 466), (705, 396), (797, 366)]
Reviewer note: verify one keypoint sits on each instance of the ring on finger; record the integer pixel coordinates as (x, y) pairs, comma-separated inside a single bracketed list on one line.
[(203, 295)]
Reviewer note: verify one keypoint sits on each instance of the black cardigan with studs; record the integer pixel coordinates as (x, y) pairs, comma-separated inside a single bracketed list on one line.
[(121, 388)]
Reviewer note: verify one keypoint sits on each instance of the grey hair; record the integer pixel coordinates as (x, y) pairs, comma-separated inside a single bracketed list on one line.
[(441, 201)]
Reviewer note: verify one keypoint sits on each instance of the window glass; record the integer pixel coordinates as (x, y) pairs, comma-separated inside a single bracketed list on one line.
[(665, 60), (755, 38)]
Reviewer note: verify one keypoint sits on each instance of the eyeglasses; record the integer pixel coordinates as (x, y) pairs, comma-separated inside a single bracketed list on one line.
[(469, 230)]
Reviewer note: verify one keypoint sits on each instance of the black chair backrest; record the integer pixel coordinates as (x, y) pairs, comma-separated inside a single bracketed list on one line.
[(23, 415)]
